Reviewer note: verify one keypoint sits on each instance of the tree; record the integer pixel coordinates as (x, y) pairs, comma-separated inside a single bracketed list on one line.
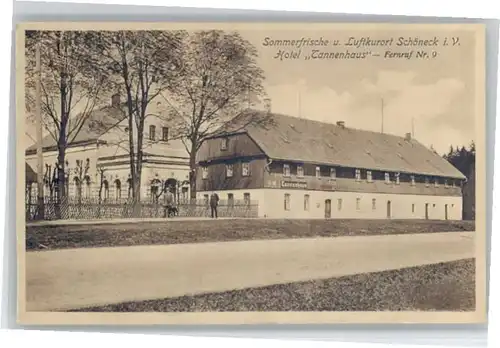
[(71, 86), (451, 153), (472, 148), (144, 64), (220, 81), (464, 160)]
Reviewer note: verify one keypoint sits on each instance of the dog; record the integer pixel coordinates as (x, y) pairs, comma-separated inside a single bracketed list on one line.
[(172, 211)]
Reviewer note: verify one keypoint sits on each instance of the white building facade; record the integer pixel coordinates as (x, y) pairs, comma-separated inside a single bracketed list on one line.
[(312, 170), (105, 154)]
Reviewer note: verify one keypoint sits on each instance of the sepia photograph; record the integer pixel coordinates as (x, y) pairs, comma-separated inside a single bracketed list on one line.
[(232, 173)]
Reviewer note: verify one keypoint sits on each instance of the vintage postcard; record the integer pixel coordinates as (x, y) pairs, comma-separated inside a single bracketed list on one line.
[(243, 173)]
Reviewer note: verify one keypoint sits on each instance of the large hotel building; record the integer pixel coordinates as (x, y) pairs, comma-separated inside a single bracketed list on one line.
[(298, 168)]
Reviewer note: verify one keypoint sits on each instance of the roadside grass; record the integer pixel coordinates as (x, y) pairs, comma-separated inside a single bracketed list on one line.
[(448, 286), (178, 232)]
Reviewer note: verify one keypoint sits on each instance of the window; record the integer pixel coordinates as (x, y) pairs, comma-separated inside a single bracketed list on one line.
[(164, 133), (387, 178), (300, 170), (230, 199), (333, 173), (397, 178), (245, 169), (318, 172), (155, 190), (184, 196), (374, 204), (152, 132), (78, 187), (358, 203), (306, 202), (229, 170), (412, 180), (369, 176), (118, 189), (446, 184), (130, 187), (224, 143), (339, 204), (204, 172), (86, 180), (286, 170), (205, 199), (426, 182), (413, 208), (246, 198), (358, 174), (436, 182), (287, 201), (105, 190)]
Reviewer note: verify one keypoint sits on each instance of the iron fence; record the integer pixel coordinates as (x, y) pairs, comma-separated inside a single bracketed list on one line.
[(75, 208)]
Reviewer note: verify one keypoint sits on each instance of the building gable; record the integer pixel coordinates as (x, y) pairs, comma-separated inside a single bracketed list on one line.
[(232, 146)]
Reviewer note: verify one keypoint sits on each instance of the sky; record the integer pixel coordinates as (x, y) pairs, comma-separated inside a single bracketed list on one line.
[(436, 95), (431, 98)]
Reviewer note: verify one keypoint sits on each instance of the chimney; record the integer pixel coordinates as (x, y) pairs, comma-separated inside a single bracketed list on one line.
[(408, 136), (267, 104), (341, 124), (115, 100)]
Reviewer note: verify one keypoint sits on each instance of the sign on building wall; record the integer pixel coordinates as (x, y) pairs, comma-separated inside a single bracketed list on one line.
[(294, 184)]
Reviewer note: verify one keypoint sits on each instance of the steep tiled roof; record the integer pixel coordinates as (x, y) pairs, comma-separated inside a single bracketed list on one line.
[(296, 139), (99, 122)]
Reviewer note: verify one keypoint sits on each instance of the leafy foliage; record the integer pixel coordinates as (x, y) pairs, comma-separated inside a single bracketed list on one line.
[(142, 64), (220, 81), (207, 78), (71, 86), (72, 83), (462, 158)]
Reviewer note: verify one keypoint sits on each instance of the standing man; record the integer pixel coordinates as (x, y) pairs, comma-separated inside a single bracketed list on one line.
[(214, 202), (169, 202)]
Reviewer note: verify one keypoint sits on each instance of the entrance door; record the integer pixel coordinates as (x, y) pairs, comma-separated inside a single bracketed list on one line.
[(328, 209), (446, 211), (427, 211), (389, 209)]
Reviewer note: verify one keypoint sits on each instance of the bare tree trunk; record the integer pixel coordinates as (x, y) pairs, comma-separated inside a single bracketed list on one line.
[(192, 173), (61, 148), (192, 181), (137, 181), (136, 194), (61, 181), (138, 163), (101, 182)]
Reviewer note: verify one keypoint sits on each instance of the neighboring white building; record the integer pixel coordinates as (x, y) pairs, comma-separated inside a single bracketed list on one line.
[(298, 168), (103, 142)]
